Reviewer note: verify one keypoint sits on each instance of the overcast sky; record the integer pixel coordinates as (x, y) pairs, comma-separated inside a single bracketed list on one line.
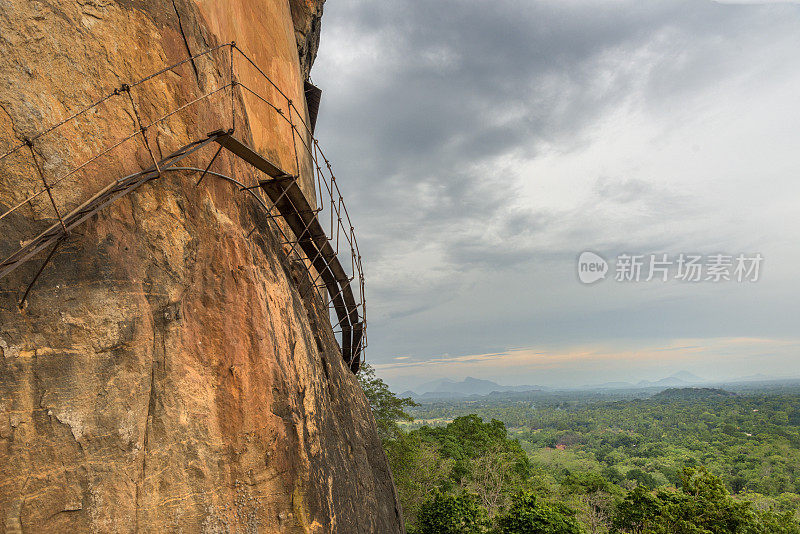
[(483, 145)]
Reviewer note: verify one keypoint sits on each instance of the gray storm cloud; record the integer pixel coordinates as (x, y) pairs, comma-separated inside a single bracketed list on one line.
[(483, 145)]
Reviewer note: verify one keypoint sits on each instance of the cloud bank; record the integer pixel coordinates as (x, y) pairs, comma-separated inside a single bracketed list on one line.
[(484, 145)]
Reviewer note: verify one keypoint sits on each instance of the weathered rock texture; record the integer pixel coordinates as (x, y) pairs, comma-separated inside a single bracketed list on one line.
[(166, 375)]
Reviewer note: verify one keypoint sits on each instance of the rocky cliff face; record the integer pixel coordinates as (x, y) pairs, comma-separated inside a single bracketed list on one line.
[(306, 17), (166, 374)]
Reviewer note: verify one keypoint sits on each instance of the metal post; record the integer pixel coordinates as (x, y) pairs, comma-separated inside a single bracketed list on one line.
[(233, 90), (209, 166), (294, 141), (127, 89), (46, 185), (21, 303)]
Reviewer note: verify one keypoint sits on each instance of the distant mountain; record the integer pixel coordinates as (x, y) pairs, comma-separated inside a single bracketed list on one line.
[(470, 386), (681, 378), (669, 381), (686, 376), (692, 393), (446, 388), (434, 385)]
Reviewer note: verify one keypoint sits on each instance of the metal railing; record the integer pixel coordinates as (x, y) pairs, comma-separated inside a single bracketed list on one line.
[(228, 99)]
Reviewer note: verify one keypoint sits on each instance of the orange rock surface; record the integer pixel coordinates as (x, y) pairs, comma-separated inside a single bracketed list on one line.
[(166, 374)]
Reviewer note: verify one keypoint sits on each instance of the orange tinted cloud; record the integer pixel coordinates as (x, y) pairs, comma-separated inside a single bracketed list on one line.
[(533, 359)]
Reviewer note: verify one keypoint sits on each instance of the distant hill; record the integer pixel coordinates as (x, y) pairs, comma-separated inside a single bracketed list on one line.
[(681, 378), (686, 376), (692, 393), (434, 385), (447, 388)]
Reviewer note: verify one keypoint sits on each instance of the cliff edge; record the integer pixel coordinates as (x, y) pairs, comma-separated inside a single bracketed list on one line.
[(167, 373)]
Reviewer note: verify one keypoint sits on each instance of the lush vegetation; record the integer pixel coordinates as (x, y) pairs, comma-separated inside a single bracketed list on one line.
[(684, 461)]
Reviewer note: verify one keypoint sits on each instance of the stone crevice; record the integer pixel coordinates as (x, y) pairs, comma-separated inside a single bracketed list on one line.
[(18, 134), (146, 440), (186, 42)]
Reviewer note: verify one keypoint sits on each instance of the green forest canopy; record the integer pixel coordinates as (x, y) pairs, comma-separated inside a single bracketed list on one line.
[(693, 461)]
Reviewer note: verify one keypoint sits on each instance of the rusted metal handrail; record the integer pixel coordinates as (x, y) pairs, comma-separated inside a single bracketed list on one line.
[(317, 254)]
